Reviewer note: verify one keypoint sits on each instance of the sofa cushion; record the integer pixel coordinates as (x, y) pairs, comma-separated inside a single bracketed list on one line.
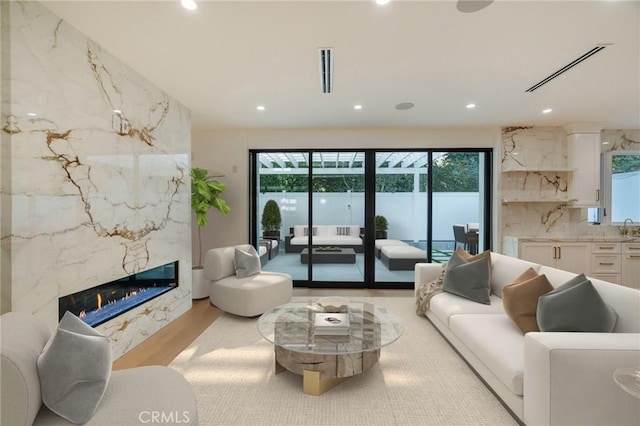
[(469, 279), (446, 305), (575, 306), (520, 299), (74, 369), (497, 343), (246, 262), (504, 269)]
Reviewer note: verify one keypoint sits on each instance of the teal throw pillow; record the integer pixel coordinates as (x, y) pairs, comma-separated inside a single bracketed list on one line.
[(470, 280), (575, 306)]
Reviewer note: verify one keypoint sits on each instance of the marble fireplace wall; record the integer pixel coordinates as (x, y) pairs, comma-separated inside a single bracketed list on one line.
[(98, 184), (532, 163)]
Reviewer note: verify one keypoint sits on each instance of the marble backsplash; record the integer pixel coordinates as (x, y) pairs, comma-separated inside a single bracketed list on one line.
[(534, 166), (99, 175)]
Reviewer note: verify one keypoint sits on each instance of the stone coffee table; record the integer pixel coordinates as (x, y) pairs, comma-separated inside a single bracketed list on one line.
[(326, 361), (341, 255)]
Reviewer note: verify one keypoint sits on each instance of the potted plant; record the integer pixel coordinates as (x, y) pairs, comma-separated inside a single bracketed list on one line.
[(205, 194), (271, 220), (381, 227)]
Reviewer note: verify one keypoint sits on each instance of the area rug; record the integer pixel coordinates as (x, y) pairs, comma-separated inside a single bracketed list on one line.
[(419, 380)]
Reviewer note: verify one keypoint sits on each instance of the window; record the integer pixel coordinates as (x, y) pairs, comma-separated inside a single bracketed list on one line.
[(621, 186)]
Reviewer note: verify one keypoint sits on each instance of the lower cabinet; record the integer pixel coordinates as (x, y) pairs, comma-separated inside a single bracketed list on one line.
[(630, 265), (614, 262), (573, 257)]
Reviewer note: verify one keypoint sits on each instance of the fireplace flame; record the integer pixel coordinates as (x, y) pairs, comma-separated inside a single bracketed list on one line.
[(99, 301)]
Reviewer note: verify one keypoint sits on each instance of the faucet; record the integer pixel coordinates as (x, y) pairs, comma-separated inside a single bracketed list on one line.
[(625, 231)]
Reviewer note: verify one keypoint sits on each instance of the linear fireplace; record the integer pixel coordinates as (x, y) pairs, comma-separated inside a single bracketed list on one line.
[(106, 301)]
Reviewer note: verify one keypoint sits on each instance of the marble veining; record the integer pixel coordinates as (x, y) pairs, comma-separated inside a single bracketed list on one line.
[(621, 140), (534, 148), (99, 183)]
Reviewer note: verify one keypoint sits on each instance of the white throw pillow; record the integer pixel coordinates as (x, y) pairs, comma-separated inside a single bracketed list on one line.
[(247, 262)]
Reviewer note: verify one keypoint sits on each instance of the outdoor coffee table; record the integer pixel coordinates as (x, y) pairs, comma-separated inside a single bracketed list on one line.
[(343, 255), (326, 361)]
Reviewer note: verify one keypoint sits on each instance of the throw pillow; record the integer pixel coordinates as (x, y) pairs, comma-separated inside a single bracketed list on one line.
[(575, 306), (342, 230), (314, 231), (247, 262), (520, 299), (74, 369), (470, 280), (426, 291), (473, 257)]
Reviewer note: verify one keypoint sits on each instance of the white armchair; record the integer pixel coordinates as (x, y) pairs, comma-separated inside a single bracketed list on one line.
[(249, 296)]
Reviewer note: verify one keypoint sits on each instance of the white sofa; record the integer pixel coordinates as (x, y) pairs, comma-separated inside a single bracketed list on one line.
[(325, 235), (249, 296), (543, 378)]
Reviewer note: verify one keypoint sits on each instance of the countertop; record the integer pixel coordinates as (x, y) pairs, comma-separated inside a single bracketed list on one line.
[(595, 239)]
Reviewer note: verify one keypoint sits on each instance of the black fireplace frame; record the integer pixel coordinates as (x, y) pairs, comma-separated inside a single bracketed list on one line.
[(116, 291)]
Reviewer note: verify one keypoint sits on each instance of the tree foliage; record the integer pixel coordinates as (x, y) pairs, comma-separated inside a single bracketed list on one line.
[(625, 163), (452, 172)]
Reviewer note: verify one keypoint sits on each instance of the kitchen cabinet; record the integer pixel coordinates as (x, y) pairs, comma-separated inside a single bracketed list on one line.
[(630, 265), (584, 157), (570, 256), (605, 261)]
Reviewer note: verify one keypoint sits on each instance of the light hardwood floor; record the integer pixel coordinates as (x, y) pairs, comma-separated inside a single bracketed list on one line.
[(162, 347)]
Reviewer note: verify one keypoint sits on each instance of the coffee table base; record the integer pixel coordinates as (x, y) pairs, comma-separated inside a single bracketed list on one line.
[(323, 372)]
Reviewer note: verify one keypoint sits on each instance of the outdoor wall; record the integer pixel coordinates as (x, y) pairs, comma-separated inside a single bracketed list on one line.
[(226, 151), (89, 194), (405, 212)]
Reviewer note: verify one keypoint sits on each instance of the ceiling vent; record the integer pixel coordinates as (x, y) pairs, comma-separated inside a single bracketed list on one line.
[(326, 69), (566, 67)]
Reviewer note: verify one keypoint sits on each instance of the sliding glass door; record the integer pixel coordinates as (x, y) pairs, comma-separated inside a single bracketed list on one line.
[(364, 218)]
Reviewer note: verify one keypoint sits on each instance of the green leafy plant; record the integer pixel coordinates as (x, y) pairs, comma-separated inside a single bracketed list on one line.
[(205, 194), (271, 219), (381, 223)]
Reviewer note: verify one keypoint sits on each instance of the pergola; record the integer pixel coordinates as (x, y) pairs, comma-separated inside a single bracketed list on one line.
[(403, 162)]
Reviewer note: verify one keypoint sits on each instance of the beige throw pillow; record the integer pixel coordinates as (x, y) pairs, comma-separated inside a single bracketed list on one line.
[(520, 299)]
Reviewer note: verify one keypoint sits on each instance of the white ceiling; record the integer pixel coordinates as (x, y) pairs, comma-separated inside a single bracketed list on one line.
[(227, 57)]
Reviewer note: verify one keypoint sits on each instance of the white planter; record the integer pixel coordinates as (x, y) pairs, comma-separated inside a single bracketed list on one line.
[(200, 285)]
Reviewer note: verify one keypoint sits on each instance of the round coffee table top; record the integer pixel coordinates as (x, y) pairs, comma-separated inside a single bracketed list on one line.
[(291, 326)]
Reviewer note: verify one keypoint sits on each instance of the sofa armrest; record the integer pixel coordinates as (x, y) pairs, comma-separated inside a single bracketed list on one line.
[(426, 272), (568, 378)]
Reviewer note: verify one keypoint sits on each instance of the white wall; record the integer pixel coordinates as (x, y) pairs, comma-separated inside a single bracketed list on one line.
[(227, 152), (406, 213)]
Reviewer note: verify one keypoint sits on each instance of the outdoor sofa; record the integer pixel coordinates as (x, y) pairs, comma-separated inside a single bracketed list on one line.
[(343, 236)]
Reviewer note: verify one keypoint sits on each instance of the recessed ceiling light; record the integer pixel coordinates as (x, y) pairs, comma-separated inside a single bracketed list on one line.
[(189, 4), (32, 114), (260, 107), (546, 111), (471, 106), (404, 106), (357, 107), (382, 2)]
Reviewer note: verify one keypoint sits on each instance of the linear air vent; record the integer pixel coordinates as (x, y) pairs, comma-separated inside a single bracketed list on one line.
[(567, 67), (326, 70)]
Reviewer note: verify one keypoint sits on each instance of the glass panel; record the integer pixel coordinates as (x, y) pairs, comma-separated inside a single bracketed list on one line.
[(338, 217), (625, 187), (401, 205), (283, 180), (458, 207)]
